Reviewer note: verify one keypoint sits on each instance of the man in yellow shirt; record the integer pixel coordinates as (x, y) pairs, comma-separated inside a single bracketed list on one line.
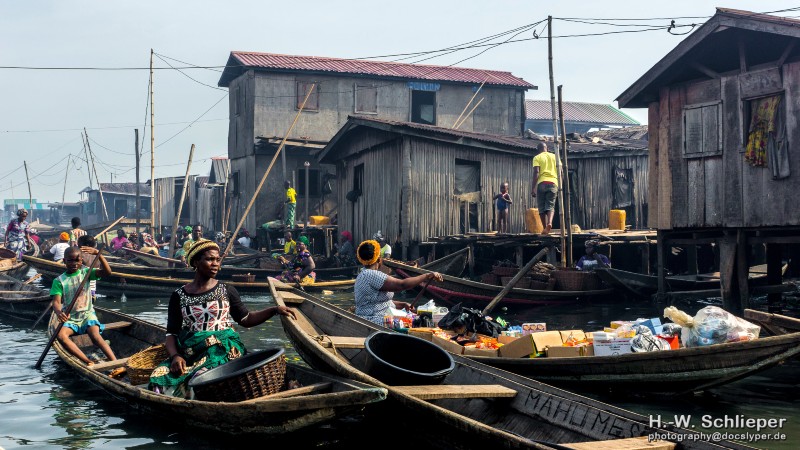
[(291, 203), (545, 185)]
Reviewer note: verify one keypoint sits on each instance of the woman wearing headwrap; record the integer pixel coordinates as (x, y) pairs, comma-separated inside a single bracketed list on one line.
[(374, 289), (58, 249), (17, 233), (592, 260), (301, 267), (346, 253), (199, 318)]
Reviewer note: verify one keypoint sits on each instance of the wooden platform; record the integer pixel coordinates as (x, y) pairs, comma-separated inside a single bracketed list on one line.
[(440, 391)]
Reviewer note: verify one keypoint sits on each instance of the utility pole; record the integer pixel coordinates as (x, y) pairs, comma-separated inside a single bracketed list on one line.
[(305, 227), (88, 167), (180, 205), (555, 139), (64, 194), (94, 169), (567, 187), (153, 153), (30, 196), (138, 200)]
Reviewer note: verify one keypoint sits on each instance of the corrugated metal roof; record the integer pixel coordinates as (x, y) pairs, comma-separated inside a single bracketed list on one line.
[(121, 188), (579, 112), (381, 69)]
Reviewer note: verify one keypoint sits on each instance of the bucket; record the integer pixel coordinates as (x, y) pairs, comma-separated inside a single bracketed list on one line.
[(533, 222), (403, 360), (616, 219)]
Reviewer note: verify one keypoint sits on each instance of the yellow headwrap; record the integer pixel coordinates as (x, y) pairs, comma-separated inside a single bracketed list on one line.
[(197, 247), (376, 248)]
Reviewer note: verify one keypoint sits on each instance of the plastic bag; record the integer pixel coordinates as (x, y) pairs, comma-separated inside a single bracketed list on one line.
[(671, 330), (430, 306), (463, 320), (713, 325), (676, 315), (646, 342)]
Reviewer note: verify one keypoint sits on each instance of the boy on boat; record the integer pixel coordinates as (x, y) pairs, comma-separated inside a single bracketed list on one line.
[(82, 319), (76, 231), (502, 200)]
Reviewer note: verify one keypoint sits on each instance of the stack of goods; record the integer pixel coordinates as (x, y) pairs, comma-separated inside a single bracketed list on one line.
[(505, 269), (541, 276)]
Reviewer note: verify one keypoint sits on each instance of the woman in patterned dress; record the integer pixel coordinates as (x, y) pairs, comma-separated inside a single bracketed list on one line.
[(17, 233), (375, 290), (301, 267), (199, 318)]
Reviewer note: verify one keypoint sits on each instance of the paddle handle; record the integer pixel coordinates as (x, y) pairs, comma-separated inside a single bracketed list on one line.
[(32, 279), (424, 286), (514, 281), (68, 310)]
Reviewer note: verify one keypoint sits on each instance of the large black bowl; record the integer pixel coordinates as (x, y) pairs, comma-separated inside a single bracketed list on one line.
[(402, 360)]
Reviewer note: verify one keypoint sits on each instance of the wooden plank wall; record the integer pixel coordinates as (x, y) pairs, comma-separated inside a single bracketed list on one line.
[(653, 169), (594, 188)]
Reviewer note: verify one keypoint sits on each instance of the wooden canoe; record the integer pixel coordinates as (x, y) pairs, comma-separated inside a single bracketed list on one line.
[(454, 290), (775, 324), (17, 269), (476, 406), (21, 300), (329, 396), (642, 284), (123, 280)]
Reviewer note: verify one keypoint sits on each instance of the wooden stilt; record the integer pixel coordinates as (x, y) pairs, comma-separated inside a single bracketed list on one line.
[(518, 256), (729, 288), (691, 259), (646, 258), (742, 271), (774, 254), (661, 256)]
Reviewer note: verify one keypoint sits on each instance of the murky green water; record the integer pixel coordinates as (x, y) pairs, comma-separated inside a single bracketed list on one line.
[(54, 408)]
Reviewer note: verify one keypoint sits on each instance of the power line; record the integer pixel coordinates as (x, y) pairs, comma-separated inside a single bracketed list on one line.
[(193, 122)]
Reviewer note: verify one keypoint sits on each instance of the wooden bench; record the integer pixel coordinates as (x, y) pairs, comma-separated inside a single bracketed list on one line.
[(291, 298), (637, 443), (342, 342), (106, 365), (439, 391), (83, 340)]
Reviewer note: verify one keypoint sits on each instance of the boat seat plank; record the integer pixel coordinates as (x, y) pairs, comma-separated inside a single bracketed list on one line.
[(105, 365), (637, 443), (290, 297), (342, 341), (439, 391), (117, 325)]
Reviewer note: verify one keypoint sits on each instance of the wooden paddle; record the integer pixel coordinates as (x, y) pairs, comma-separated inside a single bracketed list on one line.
[(424, 286), (32, 279), (81, 286), (514, 281), (113, 224)]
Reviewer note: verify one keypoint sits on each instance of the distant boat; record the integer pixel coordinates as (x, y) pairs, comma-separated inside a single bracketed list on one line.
[(24, 301), (322, 397)]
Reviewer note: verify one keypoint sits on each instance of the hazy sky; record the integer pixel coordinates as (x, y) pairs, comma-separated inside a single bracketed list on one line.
[(43, 110)]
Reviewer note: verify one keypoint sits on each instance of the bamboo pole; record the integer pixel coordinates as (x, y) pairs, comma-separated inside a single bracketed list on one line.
[(264, 178), (138, 194), (180, 205), (458, 125), (567, 187), (522, 272), (99, 186), (455, 124), (555, 139), (64, 193), (30, 195), (106, 229), (88, 167), (152, 152)]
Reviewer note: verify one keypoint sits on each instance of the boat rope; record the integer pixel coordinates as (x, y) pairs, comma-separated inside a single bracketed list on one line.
[(322, 337)]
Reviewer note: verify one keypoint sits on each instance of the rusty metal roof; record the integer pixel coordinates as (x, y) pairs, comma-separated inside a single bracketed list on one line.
[(377, 69), (579, 112)]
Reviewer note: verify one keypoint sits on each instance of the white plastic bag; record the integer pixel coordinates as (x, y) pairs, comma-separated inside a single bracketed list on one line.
[(712, 325)]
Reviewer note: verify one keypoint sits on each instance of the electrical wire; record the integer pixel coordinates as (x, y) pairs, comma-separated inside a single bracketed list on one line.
[(193, 122)]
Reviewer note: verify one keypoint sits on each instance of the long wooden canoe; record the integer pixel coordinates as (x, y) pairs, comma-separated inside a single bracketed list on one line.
[(775, 324), (455, 290), (642, 284), (14, 268), (476, 406), (24, 301), (132, 284), (325, 398)]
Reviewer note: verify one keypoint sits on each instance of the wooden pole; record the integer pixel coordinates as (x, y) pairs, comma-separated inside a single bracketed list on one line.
[(64, 193), (30, 196), (99, 186), (522, 272), (555, 139), (108, 228), (305, 227), (152, 151), (78, 292), (469, 103), (567, 188), (88, 165), (180, 205), (264, 178), (138, 193), (458, 125)]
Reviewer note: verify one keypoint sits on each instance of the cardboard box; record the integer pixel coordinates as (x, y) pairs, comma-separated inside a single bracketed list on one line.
[(610, 347), (423, 333), (570, 352), (472, 351), (577, 334), (447, 344), (530, 344), (533, 327), (654, 324), (503, 339)]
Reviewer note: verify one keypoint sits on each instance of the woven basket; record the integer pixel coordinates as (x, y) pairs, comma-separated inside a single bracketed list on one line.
[(251, 376), (503, 271), (540, 285), (592, 282), (244, 277), (523, 283), (490, 278), (142, 364), (572, 279), (543, 277)]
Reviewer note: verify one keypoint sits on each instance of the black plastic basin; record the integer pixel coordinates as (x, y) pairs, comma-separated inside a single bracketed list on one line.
[(402, 360)]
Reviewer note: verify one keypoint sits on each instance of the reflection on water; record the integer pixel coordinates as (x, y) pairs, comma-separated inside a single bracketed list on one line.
[(53, 407)]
